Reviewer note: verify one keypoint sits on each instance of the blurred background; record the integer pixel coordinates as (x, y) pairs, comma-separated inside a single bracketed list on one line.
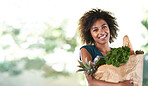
[(39, 43)]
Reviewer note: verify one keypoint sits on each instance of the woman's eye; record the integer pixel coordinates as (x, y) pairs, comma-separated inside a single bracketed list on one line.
[(95, 30), (104, 27)]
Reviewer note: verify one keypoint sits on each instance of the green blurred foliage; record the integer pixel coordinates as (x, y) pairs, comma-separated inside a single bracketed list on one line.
[(145, 24), (52, 38), (14, 32), (10, 67), (145, 70), (55, 38), (145, 20), (17, 67), (145, 47), (54, 74), (36, 63)]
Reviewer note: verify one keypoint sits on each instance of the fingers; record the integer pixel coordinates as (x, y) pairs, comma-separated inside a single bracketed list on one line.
[(127, 83), (131, 82)]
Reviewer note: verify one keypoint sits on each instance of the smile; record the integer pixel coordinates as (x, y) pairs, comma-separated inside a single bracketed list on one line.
[(103, 36)]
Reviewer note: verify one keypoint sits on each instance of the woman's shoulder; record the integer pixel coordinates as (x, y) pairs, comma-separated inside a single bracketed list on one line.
[(90, 48), (87, 46), (93, 51)]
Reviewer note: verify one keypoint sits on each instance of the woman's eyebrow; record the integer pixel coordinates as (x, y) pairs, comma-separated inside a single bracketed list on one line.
[(103, 24), (94, 27), (97, 27)]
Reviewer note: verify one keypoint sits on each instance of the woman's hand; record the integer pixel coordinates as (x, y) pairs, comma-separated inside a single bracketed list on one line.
[(127, 83)]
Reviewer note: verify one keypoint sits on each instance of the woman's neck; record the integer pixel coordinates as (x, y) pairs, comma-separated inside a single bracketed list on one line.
[(103, 48)]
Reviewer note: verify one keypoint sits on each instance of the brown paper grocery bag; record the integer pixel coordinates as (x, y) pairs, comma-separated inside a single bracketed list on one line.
[(132, 70)]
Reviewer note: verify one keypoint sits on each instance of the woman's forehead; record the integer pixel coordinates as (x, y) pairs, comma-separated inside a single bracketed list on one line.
[(100, 22)]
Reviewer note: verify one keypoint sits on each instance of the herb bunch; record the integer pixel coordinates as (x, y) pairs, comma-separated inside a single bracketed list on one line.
[(139, 52), (117, 56), (114, 57)]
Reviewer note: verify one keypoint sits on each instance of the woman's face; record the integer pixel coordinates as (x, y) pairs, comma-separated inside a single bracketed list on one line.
[(100, 31)]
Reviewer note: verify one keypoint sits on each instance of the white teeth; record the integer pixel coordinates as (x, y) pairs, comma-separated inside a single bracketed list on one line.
[(102, 36)]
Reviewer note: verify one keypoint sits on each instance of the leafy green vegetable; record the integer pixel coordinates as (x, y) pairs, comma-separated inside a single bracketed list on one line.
[(117, 56), (139, 52), (100, 61), (114, 57)]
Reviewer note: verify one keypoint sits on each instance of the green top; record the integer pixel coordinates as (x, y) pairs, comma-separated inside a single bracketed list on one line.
[(93, 51)]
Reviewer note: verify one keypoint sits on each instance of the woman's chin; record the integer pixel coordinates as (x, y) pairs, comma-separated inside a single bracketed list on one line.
[(103, 42)]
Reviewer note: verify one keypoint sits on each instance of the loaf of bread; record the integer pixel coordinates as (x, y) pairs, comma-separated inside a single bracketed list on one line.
[(126, 42)]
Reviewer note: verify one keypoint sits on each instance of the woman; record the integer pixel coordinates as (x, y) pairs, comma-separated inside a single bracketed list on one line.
[(97, 28)]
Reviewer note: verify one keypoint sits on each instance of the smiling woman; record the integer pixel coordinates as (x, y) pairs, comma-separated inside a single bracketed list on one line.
[(89, 20), (97, 28), (100, 32)]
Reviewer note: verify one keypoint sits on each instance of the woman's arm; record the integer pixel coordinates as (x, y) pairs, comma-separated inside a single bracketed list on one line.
[(93, 82)]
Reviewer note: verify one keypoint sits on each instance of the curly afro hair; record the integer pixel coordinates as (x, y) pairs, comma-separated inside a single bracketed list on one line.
[(89, 18)]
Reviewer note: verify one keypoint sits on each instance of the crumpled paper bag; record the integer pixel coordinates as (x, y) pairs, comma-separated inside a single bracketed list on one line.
[(132, 70)]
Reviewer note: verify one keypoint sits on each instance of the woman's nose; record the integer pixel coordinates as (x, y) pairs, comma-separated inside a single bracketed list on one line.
[(101, 31)]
